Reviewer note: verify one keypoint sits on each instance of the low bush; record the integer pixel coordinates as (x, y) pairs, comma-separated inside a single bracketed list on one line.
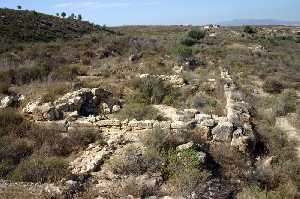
[(188, 41), (182, 53), (272, 85), (284, 191), (196, 34), (152, 90), (250, 29), (138, 111), (41, 170), (184, 172), (285, 103), (128, 163), (54, 91)]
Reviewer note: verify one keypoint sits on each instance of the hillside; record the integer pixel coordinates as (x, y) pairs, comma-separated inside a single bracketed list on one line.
[(31, 26)]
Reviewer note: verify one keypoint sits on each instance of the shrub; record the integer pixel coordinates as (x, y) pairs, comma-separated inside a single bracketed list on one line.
[(11, 121), (249, 30), (188, 41), (284, 191), (4, 86), (41, 170), (196, 34), (184, 172), (54, 91), (128, 163), (272, 85), (152, 90), (286, 103), (138, 111), (183, 53)]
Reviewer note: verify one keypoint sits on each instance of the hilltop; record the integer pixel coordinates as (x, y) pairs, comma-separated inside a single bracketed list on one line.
[(31, 26)]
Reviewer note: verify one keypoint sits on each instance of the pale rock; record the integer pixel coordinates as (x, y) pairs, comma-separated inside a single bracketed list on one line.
[(116, 108), (185, 146), (223, 132), (105, 108), (31, 107), (7, 101), (208, 123), (178, 125), (108, 123), (200, 117)]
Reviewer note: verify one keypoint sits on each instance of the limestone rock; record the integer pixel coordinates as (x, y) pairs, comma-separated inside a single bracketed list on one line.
[(116, 108), (185, 146), (223, 132)]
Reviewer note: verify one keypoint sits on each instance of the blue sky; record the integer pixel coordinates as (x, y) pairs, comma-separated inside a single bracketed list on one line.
[(164, 12)]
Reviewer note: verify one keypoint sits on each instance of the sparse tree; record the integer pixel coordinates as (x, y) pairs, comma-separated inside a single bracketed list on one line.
[(72, 16), (19, 7), (57, 14), (79, 17), (63, 14)]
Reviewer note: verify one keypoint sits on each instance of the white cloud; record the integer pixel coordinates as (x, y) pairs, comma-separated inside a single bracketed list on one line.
[(101, 4)]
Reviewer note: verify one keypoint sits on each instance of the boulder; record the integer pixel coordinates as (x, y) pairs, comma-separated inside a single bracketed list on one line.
[(178, 125), (223, 132), (8, 101), (108, 123), (31, 107), (116, 108), (185, 146), (208, 122), (162, 124), (200, 117)]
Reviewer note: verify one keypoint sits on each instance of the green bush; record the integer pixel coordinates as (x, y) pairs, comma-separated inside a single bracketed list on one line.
[(188, 41), (272, 85), (138, 111), (249, 30), (128, 163), (284, 191), (54, 91), (41, 170), (182, 52), (286, 103), (184, 172), (152, 90), (196, 34)]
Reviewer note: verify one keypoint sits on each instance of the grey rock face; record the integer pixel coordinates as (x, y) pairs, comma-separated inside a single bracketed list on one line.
[(223, 132)]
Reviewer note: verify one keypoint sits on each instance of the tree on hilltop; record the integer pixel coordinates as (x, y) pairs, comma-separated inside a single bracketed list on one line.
[(63, 14)]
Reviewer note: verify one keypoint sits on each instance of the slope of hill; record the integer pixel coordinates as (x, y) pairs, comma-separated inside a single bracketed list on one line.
[(33, 26)]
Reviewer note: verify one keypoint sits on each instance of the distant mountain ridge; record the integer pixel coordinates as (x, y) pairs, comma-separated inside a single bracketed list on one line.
[(240, 22)]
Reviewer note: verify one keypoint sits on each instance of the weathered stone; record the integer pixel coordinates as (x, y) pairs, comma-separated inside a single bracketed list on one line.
[(203, 133), (223, 132), (53, 114), (185, 146), (8, 101), (201, 157), (105, 108), (116, 108), (162, 124), (108, 123), (200, 117), (178, 125), (31, 107), (90, 159), (208, 123), (53, 125)]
